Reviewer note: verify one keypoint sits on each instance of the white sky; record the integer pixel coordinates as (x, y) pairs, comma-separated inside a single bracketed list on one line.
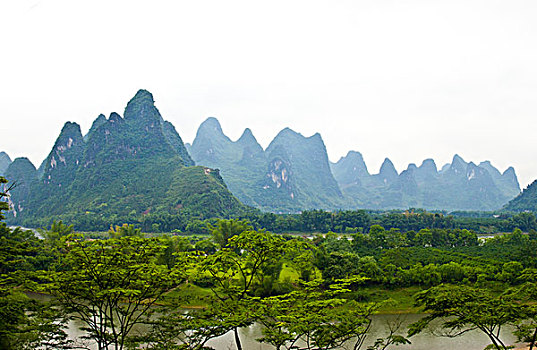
[(401, 79)]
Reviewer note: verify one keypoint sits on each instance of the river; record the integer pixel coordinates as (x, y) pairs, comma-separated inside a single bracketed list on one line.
[(427, 340), (474, 340)]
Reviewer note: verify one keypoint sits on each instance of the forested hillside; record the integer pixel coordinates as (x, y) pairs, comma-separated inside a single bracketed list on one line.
[(124, 169), (526, 201)]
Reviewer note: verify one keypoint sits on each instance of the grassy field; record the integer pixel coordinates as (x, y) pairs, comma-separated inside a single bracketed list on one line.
[(393, 301)]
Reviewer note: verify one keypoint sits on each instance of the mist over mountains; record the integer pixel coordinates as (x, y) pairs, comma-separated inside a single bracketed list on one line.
[(136, 166), (294, 173)]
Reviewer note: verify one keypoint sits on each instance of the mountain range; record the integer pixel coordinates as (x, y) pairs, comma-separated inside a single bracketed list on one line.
[(456, 186), (293, 173), (133, 166), (123, 169)]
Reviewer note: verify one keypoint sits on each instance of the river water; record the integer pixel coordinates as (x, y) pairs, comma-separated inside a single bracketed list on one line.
[(427, 340)]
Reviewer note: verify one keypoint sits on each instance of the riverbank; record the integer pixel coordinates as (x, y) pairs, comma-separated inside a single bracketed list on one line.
[(392, 301)]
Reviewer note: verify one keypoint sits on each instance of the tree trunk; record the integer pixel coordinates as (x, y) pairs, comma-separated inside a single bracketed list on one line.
[(237, 339), (533, 339)]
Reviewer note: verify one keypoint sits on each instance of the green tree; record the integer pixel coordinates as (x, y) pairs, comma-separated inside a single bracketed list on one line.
[(4, 190), (526, 295), (125, 230), (111, 285), (25, 323), (57, 230), (176, 329), (225, 229), (463, 309), (315, 318), (236, 269)]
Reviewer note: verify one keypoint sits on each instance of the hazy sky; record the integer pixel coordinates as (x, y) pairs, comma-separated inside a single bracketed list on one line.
[(407, 80)]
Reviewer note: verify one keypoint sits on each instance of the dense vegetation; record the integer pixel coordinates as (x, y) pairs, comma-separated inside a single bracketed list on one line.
[(525, 201), (307, 222), (308, 294)]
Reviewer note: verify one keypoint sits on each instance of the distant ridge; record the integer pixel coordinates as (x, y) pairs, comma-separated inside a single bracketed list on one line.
[(457, 186), (294, 174), (127, 167)]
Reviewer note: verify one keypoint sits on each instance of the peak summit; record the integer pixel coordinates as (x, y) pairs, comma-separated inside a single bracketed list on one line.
[(211, 123), (5, 161), (71, 130), (287, 131), (141, 106), (387, 168), (5, 156), (210, 128), (457, 158), (143, 95), (247, 133), (247, 137)]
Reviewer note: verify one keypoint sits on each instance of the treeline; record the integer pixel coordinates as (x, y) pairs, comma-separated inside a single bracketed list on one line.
[(309, 221), (360, 221), (348, 221)]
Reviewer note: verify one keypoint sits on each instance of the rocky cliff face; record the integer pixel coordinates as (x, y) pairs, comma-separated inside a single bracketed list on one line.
[(299, 167), (240, 162), (350, 170), (60, 166)]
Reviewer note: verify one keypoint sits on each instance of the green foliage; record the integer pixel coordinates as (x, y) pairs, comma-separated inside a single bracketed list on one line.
[(57, 230), (124, 230), (245, 275), (464, 308), (3, 193), (317, 318), (111, 285), (26, 324), (237, 270), (176, 329), (225, 229), (527, 200)]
